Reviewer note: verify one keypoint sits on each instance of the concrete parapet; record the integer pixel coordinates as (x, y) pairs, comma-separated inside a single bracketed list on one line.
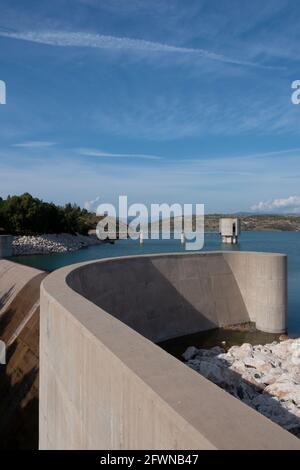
[(104, 385)]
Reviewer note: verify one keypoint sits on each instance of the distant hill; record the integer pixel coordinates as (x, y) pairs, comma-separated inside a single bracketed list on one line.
[(271, 222), (249, 222), (260, 222)]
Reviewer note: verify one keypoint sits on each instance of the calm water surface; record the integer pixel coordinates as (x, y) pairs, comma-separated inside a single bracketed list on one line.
[(280, 242)]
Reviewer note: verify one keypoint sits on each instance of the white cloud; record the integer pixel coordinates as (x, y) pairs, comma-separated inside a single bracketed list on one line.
[(92, 205), (165, 115), (34, 144), (288, 205), (212, 180), (103, 154), (92, 40)]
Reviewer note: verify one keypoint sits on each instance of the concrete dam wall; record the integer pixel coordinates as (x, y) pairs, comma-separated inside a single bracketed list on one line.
[(19, 329), (168, 296), (104, 383)]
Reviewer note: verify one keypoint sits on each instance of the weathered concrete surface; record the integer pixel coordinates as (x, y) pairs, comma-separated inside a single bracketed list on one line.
[(19, 329), (105, 386)]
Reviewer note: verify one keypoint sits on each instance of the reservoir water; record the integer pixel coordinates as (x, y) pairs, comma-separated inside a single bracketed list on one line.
[(279, 242)]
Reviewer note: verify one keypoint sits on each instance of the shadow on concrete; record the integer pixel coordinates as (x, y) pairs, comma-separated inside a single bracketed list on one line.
[(19, 329), (163, 301), (168, 299), (18, 405), (6, 296)]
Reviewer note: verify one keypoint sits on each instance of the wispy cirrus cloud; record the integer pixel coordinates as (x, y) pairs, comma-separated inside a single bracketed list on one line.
[(214, 180), (34, 144), (100, 153), (100, 41)]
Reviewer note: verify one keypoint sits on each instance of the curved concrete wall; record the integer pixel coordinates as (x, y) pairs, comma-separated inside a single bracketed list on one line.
[(105, 386), (167, 296), (262, 281), (13, 278), (19, 329)]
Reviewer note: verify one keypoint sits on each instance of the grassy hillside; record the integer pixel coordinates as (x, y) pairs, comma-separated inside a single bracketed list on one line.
[(286, 223), (248, 222)]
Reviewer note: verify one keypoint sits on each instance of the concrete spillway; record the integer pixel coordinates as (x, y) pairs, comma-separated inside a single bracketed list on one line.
[(103, 381), (105, 384), (19, 329), (168, 296)]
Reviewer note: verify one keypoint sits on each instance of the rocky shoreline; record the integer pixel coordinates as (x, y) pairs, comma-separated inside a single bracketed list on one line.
[(265, 377), (52, 243)]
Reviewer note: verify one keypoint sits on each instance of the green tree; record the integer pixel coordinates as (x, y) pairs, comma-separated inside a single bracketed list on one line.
[(29, 215)]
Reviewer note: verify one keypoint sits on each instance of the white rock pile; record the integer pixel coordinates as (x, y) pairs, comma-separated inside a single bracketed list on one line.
[(52, 243), (267, 378)]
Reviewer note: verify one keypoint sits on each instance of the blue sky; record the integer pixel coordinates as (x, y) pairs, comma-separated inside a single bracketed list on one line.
[(165, 101)]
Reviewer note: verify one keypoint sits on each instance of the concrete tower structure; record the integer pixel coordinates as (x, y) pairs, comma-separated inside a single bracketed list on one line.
[(229, 230)]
